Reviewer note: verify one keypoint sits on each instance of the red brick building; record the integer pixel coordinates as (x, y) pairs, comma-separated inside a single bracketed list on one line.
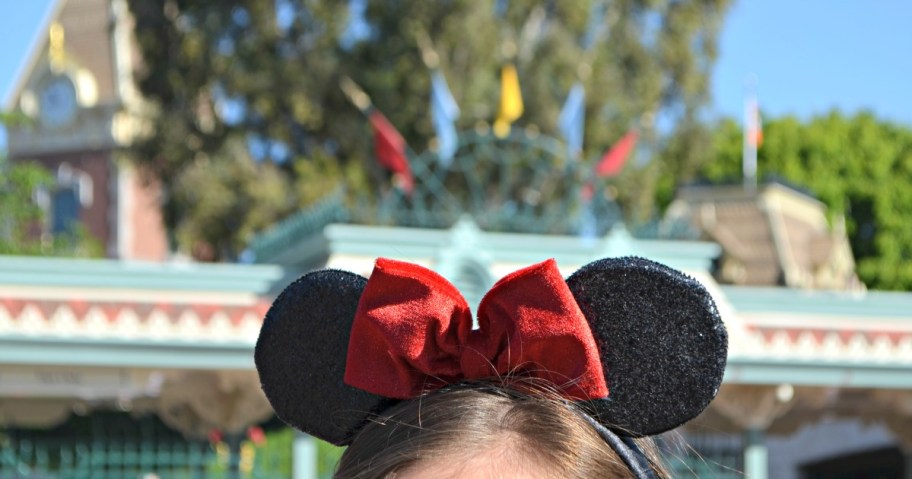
[(77, 87)]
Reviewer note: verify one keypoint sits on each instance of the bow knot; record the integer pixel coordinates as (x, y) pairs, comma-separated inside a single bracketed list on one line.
[(412, 332)]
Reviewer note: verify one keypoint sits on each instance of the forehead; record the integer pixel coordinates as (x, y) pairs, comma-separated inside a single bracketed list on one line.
[(491, 463)]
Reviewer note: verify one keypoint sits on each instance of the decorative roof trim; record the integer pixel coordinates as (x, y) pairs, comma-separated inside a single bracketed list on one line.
[(196, 324), (827, 345)]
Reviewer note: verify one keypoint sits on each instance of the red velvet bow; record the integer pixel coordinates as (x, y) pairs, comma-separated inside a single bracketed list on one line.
[(413, 332)]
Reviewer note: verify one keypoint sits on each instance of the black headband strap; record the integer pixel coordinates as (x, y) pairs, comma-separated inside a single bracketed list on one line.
[(626, 448)]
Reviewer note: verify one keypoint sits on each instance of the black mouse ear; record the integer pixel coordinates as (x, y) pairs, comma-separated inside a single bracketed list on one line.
[(661, 341), (300, 356)]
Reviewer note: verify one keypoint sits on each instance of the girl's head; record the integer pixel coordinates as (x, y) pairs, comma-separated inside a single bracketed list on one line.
[(636, 345), (484, 430)]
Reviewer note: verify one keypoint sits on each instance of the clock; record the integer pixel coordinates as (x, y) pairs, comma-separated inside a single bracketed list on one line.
[(57, 103)]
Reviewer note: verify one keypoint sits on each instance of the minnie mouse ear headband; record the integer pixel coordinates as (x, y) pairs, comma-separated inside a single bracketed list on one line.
[(636, 344)]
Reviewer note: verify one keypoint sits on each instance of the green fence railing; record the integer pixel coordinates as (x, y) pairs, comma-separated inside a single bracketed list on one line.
[(109, 445), (703, 456)]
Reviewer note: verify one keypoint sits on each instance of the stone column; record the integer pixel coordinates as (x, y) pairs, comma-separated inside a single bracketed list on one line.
[(304, 456), (756, 460), (753, 408)]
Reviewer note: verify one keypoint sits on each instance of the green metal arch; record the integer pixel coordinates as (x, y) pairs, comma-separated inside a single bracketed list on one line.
[(524, 182)]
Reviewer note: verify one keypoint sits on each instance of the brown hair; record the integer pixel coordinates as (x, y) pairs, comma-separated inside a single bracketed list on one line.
[(535, 430)]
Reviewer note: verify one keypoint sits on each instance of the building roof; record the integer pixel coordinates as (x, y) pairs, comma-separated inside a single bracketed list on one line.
[(112, 275), (774, 235), (821, 338)]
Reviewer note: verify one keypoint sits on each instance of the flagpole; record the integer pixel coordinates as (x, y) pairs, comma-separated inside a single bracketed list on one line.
[(429, 56), (390, 147), (355, 94), (749, 150)]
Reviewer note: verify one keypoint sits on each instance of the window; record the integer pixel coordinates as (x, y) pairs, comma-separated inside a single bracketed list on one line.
[(65, 209), (72, 193)]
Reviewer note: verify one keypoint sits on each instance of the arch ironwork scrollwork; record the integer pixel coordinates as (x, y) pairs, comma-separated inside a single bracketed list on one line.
[(521, 183)]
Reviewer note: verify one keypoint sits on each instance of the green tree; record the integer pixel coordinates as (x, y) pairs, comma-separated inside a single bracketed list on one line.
[(22, 219), (224, 200), (860, 166), (269, 72)]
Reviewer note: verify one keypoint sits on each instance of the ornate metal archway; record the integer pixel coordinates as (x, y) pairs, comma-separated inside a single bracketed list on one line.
[(522, 183)]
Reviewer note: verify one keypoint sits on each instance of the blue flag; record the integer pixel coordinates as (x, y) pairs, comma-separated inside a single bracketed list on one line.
[(444, 112), (571, 122)]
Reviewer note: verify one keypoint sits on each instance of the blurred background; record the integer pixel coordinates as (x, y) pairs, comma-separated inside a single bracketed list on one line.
[(168, 166)]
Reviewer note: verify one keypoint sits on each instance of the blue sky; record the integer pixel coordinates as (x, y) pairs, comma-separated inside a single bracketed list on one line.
[(19, 25), (808, 56)]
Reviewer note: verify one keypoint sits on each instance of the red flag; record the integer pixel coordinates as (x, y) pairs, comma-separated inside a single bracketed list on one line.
[(389, 146), (754, 125), (613, 160)]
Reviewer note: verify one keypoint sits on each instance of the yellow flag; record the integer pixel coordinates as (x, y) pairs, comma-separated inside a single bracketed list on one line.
[(511, 104)]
